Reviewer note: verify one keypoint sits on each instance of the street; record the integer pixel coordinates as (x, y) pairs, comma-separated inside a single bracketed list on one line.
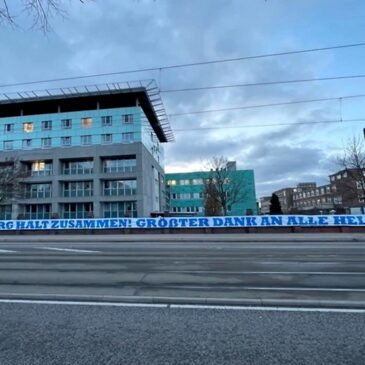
[(316, 270), (61, 334), (182, 299)]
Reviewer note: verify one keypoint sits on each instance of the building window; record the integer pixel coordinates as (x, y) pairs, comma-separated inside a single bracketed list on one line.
[(127, 118), (27, 143), (86, 122), (66, 141), (46, 125), (120, 209), (46, 142), (5, 212), (8, 145), (9, 128), (119, 187), (28, 127), (33, 191), (37, 211), (171, 182), (77, 210), (77, 167), (41, 168), (127, 137), (107, 138), (66, 123), (77, 189), (85, 140), (119, 165), (106, 121)]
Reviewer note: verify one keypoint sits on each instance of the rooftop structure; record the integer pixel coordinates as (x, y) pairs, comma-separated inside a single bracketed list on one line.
[(89, 151)]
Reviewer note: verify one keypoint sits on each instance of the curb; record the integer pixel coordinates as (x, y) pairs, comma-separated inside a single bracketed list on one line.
[(222, 302), (178, 238)]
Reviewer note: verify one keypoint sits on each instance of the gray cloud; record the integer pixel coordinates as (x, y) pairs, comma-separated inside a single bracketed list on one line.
[(111, 35)]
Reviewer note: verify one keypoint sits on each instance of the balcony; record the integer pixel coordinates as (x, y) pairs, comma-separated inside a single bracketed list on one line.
[(77, 193), (77, 171)]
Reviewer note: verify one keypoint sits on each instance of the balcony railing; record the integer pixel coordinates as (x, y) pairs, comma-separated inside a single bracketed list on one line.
[(111, 170), (77, 171), (41, 173), (37, 194), (119, 192), (77, 193)]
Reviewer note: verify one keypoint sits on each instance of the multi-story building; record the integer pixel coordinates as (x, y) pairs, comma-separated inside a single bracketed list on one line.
[(286, 199), (186, 192), (346, 191), (265, 205), (348, 187), (313, 199), (90, 152)]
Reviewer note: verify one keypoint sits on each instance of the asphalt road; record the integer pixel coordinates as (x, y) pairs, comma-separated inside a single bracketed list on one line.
[(313, 273), (39, 334)]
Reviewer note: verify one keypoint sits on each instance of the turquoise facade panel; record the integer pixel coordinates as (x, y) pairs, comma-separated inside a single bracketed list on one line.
[(15, 134), (183, 187)]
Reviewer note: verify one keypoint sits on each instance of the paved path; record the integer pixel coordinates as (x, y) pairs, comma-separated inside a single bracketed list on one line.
[(317, 270), (40, 334)]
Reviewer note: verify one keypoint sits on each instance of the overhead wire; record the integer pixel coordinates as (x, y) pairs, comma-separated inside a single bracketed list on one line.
[(213, 87), (266, 105), (184, 65), (270, 125)]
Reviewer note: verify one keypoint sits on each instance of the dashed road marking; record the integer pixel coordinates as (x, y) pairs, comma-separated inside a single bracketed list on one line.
[(185, 306), (6, 251), (67, 250)]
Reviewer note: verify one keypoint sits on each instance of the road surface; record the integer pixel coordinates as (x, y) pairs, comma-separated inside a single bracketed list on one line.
[(311, 271), (60, 334)]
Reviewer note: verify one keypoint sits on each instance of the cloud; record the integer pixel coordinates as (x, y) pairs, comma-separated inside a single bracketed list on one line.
[(111, 35)]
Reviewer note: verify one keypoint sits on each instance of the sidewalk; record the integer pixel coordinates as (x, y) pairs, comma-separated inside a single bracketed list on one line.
[(232, 237)]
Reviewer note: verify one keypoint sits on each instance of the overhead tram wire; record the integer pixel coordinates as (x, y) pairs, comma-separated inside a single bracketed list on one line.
[(257, 106), (264, 83), (270, 125), (183, 65)]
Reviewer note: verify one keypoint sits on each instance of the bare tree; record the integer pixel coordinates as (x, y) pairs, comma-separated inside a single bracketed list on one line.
[(212, 205), (223, 187), (353, 161), (40, 11), (11, 176)]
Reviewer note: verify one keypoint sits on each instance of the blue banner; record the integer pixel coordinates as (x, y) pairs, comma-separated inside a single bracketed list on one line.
[(188, 222)]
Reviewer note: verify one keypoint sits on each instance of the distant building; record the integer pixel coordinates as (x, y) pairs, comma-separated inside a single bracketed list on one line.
[(89, 152), (265, 205), (314, 199), (286, 199), (344, 193), (348, 187), (186, 192)]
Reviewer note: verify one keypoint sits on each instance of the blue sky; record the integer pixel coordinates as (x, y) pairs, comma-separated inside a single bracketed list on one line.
[(112, 35)]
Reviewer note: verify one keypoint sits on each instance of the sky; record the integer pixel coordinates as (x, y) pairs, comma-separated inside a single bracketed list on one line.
[(104, 36)]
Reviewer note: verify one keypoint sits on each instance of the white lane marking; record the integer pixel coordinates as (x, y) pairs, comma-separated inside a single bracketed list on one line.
[(101, 304), (263, 272), (6, 251), (183, 306), (302, 289), (267, 309), (67, 249), (274, 288)]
